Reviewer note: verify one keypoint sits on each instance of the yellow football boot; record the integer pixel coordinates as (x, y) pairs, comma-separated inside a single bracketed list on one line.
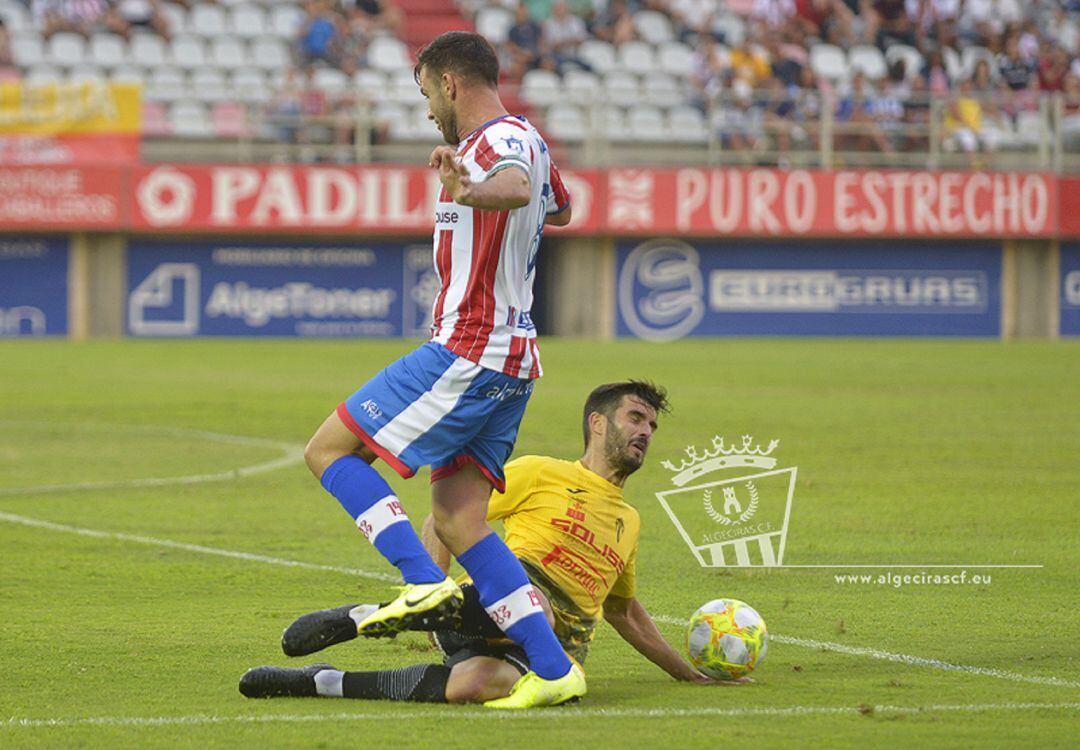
[(533, 691), (417, 600)]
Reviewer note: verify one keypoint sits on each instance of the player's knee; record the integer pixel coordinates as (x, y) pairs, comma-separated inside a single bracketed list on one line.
[(475, 682), (315, 457)]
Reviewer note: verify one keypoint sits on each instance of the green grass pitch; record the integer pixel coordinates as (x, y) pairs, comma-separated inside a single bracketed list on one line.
[(125, 623)]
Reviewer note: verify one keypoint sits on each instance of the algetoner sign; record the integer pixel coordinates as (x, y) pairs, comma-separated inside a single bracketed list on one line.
[(254, 289)]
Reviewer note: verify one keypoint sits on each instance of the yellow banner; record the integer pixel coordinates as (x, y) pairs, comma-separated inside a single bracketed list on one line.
[(67, 108)]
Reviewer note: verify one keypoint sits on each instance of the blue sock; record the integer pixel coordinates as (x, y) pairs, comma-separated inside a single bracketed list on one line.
[(379, 515), (507, 596)]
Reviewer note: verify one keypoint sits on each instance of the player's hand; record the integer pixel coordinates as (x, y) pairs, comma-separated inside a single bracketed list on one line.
[(452, 173)]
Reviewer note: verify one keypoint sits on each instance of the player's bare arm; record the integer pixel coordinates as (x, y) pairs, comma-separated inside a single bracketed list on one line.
[(560, 218), (631, 620), (505, 190)]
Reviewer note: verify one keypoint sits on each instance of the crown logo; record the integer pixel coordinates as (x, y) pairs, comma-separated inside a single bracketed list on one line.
[(721, 456)]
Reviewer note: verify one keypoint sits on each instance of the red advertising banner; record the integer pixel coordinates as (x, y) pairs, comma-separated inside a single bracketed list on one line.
[(777, 203), (400, 200), (62, 197), (244, 198)]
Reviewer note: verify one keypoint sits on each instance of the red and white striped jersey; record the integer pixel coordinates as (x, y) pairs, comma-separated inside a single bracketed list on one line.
[(486, 260)]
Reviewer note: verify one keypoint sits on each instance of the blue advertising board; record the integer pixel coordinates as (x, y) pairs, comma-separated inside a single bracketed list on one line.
[(1070, 289), (33, 287), (229, 288), (669, 288)]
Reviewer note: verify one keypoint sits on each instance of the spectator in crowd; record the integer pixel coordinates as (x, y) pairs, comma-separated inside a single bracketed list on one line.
[(982, 21), (934, 73), (963, 119), (1017, 73), (7, 61), (563, 34), (785, 67), (320, 34), (740, 121), (375, 16), (524, 44), (748, 64), (614, 23), (890, 22), (710, 64), (771, 14), (1052, 68), (78, 16), (126, 15)]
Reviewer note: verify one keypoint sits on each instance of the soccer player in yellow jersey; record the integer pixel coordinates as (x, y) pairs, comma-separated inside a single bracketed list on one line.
[(577, 538)]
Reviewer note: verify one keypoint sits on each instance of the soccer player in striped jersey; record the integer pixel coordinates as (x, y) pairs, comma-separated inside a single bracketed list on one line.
[(577, 538), (455, 403)]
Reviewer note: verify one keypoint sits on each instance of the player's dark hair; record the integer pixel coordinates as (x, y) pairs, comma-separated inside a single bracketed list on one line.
[(607, 398), (461, 53)]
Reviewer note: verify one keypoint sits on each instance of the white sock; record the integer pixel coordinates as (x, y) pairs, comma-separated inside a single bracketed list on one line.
[(328, 683), (361, 612)]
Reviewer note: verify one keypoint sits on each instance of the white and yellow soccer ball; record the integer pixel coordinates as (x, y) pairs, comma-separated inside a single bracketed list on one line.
[(726, 639)]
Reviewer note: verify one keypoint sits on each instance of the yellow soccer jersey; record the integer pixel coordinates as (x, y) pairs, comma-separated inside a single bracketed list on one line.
[(571, 525)]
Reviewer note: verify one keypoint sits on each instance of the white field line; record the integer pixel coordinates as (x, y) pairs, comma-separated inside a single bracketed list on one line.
[(198, 548), (907, 659), (471, 715), (290, 454)]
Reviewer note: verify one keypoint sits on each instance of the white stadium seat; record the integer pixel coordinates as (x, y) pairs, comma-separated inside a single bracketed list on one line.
[(147, 50), (647, 124), (402, 87), (388, 53), (188, 52), (370, 83), (88, 74), (567, 122), (869, 60), (286, 20), (166, 85), (581, 86), (228, 52), (208, 20), (494, 23), (248, 21), (662, 90), (269, 53), (66, 49), (330, 80), (829, 62), (541, 88), (613, 122), (636, 57), (653, 26), (27, 49), (676, 58), (208, 85), (598, 54), (731, 28), (954, 68), (16, 18), (621, 88), (249, 86), (128, 74), (108, 50), (687, 125), (177, 18)]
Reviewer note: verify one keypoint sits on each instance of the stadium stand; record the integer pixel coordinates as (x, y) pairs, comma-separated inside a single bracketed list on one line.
[(966, 80)]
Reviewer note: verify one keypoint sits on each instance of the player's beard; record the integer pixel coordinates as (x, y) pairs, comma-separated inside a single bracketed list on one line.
[(618, 453), (447, 122)]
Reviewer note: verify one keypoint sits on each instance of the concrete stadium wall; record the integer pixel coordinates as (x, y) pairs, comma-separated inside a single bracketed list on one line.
[(89, 285)]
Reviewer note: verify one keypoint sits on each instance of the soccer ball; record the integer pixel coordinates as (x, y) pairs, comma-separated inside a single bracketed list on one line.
[(726, 639)]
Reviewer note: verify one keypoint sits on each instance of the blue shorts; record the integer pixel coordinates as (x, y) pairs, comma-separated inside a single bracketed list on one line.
[(434, 408)]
